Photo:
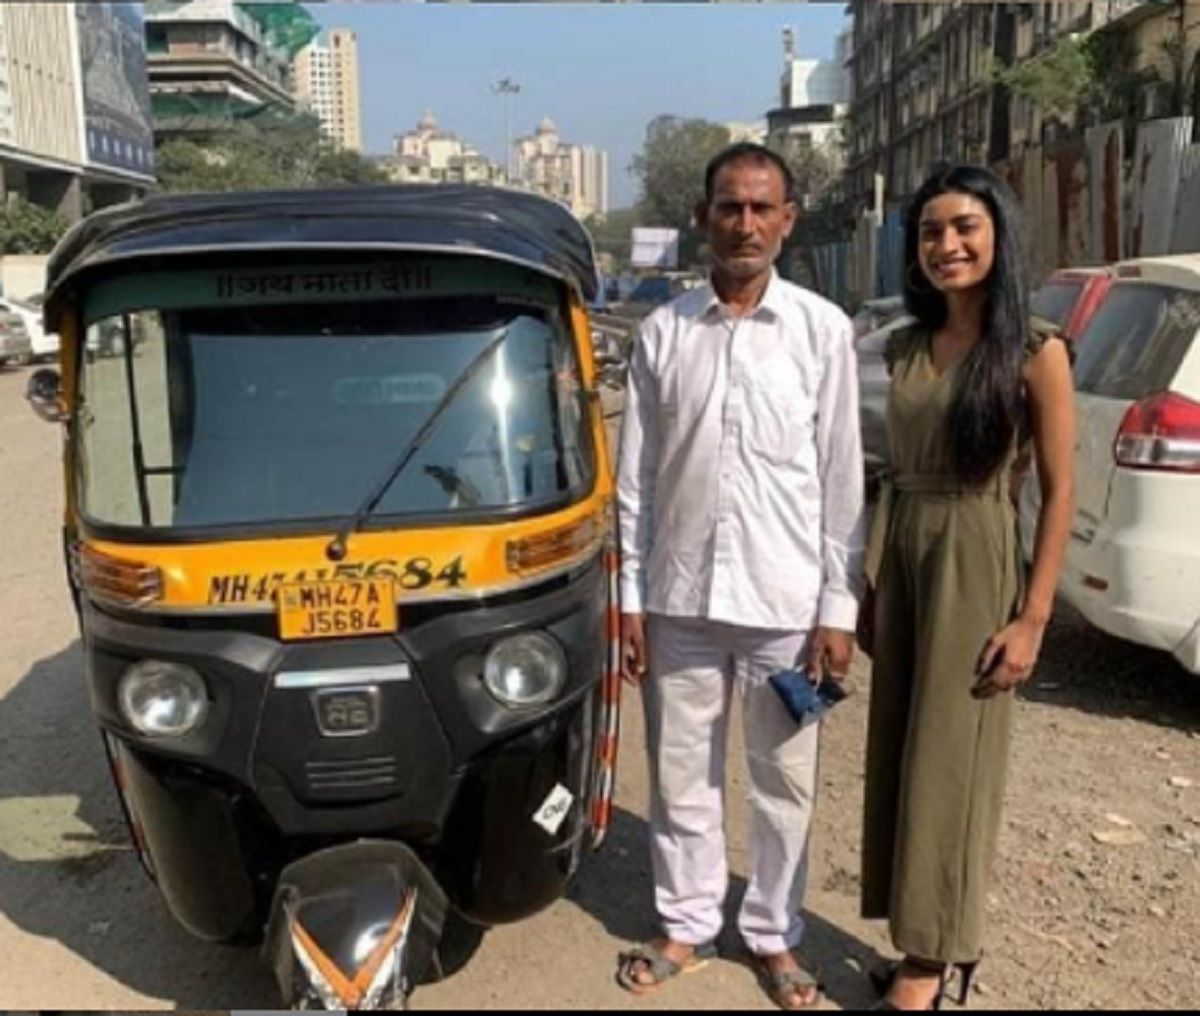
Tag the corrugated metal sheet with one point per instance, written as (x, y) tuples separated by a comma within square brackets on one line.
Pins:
[(890, 275), (1106, 206), (1154, 186), (1071, 180), (831, 262), (1045, 237), (864, 253), (1186, 236)]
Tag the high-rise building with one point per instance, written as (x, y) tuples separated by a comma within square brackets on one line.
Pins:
[(575, 175), (326, 78), (814, 96), (212, 61), (925, 88), (74, 105), (429, 154)]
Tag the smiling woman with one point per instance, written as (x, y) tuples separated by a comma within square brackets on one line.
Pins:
[(955, 628)]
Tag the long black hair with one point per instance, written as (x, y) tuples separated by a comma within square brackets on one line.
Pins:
[(987, 405)]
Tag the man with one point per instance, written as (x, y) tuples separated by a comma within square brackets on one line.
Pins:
[(740, 491)]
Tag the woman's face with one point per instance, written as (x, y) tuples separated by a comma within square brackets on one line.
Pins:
[(957, 242)]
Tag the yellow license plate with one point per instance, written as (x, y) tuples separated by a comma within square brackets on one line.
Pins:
[(339, 609)]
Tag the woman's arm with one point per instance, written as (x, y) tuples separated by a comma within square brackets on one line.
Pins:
[(1052, 407)]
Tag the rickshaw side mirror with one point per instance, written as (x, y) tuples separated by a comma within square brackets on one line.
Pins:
[(44, 392)]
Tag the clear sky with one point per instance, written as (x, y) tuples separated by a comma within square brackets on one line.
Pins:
[(600, 71)]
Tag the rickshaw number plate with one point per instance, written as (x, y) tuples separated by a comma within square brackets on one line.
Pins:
[(337, 609)]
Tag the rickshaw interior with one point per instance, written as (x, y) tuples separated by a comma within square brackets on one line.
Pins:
[(287, 413)]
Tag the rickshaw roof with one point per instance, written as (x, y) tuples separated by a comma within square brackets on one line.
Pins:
[(422, 218)]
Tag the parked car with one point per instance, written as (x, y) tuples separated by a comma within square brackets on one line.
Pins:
[(1133, 562), (873, 385), (876, 312), (1069, 298), (15, 345), (44, 345)]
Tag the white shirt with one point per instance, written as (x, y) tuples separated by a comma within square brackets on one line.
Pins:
[(741, 473)]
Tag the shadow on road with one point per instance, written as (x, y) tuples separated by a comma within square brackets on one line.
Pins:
[(1086, 669), (616, 889), (67, 871)]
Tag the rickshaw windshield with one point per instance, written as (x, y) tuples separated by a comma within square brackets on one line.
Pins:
[(260, 415)]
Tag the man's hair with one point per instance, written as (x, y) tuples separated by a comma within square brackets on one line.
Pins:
[(748, 151)]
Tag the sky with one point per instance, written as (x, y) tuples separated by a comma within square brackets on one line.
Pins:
[(601, 72)]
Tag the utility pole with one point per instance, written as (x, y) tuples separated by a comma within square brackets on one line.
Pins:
[(506, 88)]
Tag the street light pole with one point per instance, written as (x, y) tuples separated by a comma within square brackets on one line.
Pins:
[(507, 88)]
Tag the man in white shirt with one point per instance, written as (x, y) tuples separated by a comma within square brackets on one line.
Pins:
[(740, 492)]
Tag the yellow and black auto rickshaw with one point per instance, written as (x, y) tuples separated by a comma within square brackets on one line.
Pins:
[(339, 534)]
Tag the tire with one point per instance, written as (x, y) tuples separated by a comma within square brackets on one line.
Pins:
[(460, 941)]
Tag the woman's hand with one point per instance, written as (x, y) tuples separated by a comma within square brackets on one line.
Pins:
[(1009, 657)]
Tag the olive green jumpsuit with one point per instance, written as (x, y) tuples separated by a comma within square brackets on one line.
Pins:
[(944, 564)]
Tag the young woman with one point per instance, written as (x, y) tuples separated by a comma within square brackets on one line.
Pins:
[(955, 626)]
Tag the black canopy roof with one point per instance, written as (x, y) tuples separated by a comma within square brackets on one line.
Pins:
[(511, 225)]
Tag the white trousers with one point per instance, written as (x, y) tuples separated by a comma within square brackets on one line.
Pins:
[(694, 666)]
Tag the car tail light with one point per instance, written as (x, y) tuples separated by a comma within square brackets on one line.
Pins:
[(1161, 433)]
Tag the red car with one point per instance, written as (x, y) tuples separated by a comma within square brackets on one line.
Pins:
[(1070, 296)]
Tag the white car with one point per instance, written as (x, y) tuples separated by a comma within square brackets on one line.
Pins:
[(44, 344), (1133, 562), (874, 384)]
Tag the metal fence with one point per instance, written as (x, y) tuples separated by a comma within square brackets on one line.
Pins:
[(1086, 202)]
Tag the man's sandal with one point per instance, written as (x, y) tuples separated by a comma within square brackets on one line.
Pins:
[(649, 959), (791, 990)]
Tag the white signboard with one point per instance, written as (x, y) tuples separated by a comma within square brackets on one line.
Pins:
[(655, 248)]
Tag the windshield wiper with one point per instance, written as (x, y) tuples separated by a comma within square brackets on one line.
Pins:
[(336, 551)]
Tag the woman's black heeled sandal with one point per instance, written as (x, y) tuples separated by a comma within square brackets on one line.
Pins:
[(884, 978)]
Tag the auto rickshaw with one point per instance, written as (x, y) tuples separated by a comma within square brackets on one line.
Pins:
[(339, 533)]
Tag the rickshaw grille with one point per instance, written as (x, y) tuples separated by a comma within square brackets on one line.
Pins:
[(380, 773)]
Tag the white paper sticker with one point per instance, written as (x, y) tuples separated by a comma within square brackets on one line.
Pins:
[(554, 810)]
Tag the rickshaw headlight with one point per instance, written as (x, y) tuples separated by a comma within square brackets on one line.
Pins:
[(525, 670), (161, 699)]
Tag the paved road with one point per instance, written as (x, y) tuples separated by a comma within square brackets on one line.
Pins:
[(1074, 921)]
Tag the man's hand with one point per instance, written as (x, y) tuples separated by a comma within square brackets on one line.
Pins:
[(830, 653), (633, 648)]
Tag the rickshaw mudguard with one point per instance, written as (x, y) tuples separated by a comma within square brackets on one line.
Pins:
[(516, 835), (191, 830), (354, 927)]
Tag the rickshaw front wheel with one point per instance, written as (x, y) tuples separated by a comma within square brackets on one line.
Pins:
[(460, 941)]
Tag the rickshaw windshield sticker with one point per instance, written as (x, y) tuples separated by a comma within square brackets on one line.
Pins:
[(411, 575), (457, 276)]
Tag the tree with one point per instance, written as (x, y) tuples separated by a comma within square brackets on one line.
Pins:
[(814, 168), (613, 235), (671, 168), (26, 228), (261, 156), (345, 168), (1091, 78), (1059, 80)]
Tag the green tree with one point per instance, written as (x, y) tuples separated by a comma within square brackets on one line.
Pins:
[(613, 235), (1092, 78), (346, 168), (671, 169), (814, 168), (254, 155), (1059, 80), (26, 228)]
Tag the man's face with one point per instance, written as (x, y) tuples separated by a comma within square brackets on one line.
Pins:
[(747, 220)]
